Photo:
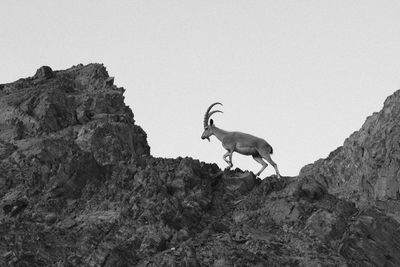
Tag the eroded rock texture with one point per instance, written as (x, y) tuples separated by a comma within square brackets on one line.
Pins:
[(78, 187), (367, 166)]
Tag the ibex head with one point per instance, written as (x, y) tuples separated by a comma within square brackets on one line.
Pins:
[(208, 127)]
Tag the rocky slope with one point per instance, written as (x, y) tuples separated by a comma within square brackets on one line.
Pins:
[(366, 168), (80, 188)]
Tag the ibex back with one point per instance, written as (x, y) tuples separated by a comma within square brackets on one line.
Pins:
[(242, 143)]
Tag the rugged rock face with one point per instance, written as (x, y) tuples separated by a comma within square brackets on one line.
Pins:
[(80, 188), (367, 166)]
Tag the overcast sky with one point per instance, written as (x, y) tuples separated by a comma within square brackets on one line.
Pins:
[(301, 74)]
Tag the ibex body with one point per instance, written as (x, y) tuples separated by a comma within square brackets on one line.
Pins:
[(242, 143)]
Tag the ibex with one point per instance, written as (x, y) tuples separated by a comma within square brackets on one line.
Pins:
[(242, 143)]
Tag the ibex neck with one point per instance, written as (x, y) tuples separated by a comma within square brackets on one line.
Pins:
[(219, 133)]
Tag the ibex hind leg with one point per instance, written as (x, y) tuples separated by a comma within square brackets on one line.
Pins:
[(259, 159), (267, 157)]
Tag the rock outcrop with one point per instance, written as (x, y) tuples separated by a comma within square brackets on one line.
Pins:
[(80, 188), (367, 166)]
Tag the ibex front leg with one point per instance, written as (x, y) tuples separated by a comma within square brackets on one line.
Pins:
[(230, 159)]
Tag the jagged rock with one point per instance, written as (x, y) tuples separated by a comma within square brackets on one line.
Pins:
[(109, 81), (310, 189), (242, 183), (44, 72), (325, 225), (6, 149), (367, 166), (78, 187), (13, 203), (111, 142), (282, 211), (50, 218), (372, 239)]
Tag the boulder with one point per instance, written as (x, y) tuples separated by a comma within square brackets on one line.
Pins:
[(44, 72)]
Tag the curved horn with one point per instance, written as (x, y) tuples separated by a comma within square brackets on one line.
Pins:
[(207, 115), (212, 112)]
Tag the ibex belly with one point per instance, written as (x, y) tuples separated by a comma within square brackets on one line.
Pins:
[(246, 150)]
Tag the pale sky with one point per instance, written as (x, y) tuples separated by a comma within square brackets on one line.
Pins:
[(303, 75)]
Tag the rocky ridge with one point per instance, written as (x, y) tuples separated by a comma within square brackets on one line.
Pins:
[(366, 168), (80, 188)]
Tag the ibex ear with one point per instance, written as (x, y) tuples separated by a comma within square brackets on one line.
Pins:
[(211, 122)]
